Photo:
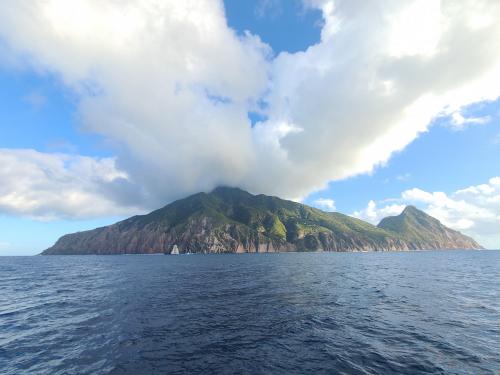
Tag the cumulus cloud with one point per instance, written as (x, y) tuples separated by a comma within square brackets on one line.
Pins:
[(167, 81), (474, 210), (171, 86), (48, 186), (325, 204), (381, 73)]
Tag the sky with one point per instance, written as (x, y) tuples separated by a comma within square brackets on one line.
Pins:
[(114, 108)]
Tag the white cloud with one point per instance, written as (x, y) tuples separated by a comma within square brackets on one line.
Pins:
[(403, 177), (374, 214), (325, 204), (170, 84), (49, 186), (474, 210), (357, 100), (459, 122), (167, 81)]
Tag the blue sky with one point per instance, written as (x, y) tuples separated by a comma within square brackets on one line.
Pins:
[(442, 159), (38, 112), (44, 108), (284, 25)]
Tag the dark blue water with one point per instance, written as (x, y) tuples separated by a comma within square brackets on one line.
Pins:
[(335, 313)]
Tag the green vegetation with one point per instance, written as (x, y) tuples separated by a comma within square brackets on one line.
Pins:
[(414, 225), (232, 220), (272, 217)]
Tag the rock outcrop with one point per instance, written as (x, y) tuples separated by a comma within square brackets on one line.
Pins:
[(230, 220)]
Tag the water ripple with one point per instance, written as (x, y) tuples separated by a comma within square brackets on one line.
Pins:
[(371, 313)]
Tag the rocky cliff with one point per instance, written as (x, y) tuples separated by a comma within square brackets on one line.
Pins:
[(234, 221)]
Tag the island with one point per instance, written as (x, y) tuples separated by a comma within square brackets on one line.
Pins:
[(231, 220)]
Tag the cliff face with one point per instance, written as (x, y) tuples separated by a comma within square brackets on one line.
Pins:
[(234, 221)]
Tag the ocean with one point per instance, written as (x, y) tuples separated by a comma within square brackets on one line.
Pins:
[(435, 312)]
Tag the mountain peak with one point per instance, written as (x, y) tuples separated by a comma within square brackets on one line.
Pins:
[(410, 209), (230, 194), (229, 219), (419, 227)]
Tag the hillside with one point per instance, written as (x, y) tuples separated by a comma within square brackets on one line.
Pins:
[(234, 221), (423, 231)]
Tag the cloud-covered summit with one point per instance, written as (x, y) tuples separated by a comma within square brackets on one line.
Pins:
[(170, 85)]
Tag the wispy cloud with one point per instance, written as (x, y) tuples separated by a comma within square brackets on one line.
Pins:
[(459, 122), (403, 177), (268, 8), (36, 99)]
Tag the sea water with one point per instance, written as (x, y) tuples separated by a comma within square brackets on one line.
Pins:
[(296, 313)]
